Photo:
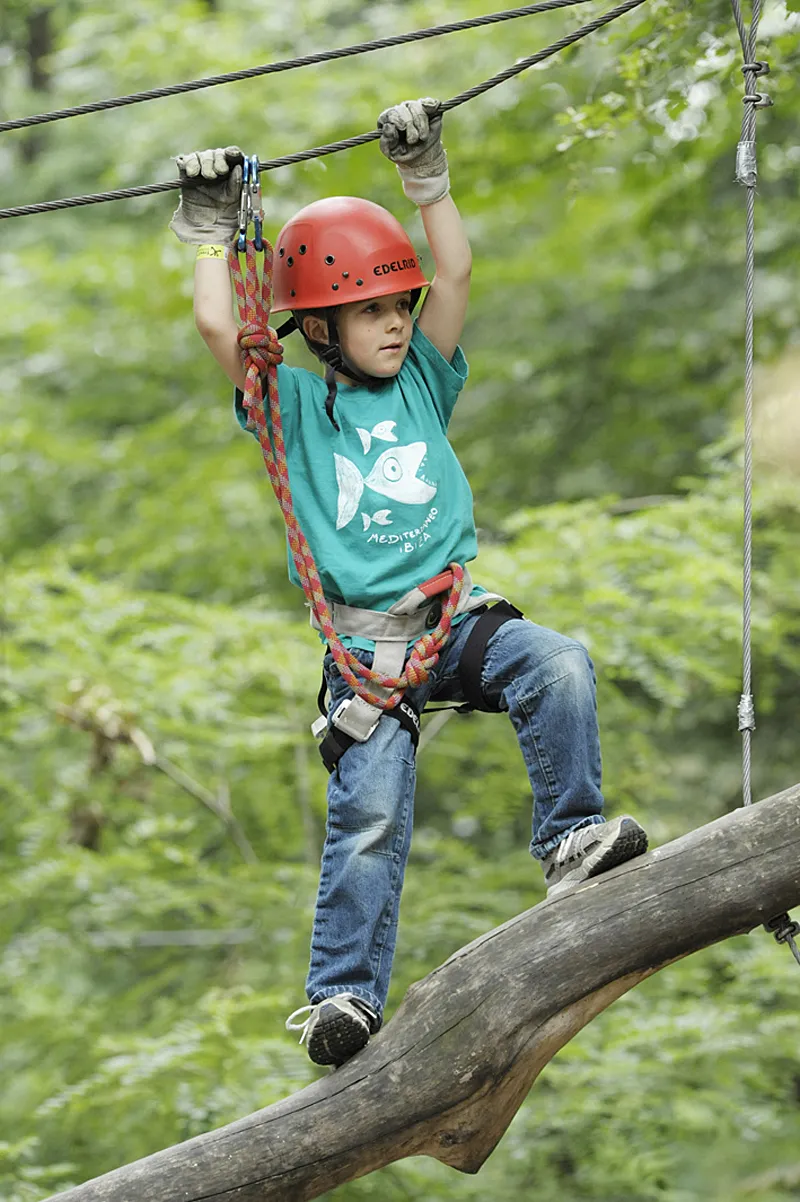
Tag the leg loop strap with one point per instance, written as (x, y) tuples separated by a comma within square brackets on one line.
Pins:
[(470, 665), (337, 742)]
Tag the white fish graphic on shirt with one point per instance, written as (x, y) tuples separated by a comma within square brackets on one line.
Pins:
[(381, 517), (394, 475), (384, 431)]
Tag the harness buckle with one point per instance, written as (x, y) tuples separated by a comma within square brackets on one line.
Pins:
[(319, 726), (434, 615), (355, 729)]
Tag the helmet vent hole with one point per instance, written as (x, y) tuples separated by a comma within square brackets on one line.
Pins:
[(293, 293), (329, 259), (359, 283), (281, 252), (303, 249), (345, 275), (335, 287), (290, 261)]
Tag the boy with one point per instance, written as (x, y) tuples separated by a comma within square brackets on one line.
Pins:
[(386, 507)]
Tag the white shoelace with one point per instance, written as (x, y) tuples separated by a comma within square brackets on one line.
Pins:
[(340, 1000), (570, 847)]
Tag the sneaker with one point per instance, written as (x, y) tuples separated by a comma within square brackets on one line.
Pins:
[(336, 1028), (591, 850)]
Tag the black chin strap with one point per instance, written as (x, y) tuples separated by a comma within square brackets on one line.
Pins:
[(288, 327), (333, 358), (330, 380)]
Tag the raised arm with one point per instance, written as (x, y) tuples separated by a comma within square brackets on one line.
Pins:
[(411, 138), (213, 316), (207, 217), (445, 307)]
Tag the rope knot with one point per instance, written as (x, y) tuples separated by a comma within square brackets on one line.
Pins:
[(260, 347)]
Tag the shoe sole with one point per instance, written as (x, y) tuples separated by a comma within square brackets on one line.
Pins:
[(336, 1038), (623, 840)]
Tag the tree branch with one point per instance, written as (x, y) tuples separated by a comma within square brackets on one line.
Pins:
[(109, 727), (445, 1077)]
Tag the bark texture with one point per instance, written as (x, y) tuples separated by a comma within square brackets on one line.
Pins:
[(445, 1077)]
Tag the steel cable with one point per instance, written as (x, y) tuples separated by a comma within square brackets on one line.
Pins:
[(781, 926), (49, 206), (747, 175), (307, 60)]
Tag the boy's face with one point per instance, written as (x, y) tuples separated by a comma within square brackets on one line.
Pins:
[(375, 333)]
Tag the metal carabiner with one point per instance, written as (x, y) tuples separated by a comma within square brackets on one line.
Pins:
[(245, 206), (256, 203)]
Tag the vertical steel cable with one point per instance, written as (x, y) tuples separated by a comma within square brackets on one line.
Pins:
[(747, 175), (781, 926)]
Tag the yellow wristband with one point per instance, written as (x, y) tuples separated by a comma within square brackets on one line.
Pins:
[(212, 252)]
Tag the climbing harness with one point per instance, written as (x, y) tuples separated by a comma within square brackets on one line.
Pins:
[(50, 206), (470, 667), (355, 719), (782, 926)]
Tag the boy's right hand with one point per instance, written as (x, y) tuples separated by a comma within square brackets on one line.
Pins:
[(208, 211)]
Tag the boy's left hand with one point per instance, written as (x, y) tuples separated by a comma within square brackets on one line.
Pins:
[(411, 138)]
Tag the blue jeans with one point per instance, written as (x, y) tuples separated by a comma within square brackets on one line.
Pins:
[(546, 684)]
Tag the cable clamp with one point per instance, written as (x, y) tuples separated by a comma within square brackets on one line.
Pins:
[(746, 712), (782, 927), (784, 930), (759, 67), (759, 100)]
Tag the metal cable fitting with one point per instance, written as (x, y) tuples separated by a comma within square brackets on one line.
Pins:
[(746, 712), (784, 929), (757, 68), (759, 100)]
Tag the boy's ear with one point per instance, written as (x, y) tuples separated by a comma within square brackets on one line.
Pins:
[(315, 328)]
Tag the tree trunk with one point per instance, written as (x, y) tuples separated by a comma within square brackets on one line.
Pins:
[(445, 1077), (39, 46)]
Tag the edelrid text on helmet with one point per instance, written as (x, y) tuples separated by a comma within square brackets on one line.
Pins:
[(397, 265)]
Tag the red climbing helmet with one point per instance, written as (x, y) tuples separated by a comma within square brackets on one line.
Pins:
[(342, 249)]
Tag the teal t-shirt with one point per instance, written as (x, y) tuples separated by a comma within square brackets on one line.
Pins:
[(383, 501)]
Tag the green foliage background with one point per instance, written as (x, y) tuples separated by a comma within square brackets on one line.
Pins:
[(163, 806)]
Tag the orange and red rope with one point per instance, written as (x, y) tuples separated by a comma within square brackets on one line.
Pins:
[(261, 354)]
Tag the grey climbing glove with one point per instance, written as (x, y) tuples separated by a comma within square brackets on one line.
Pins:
[(411, 138), (208, 212)]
